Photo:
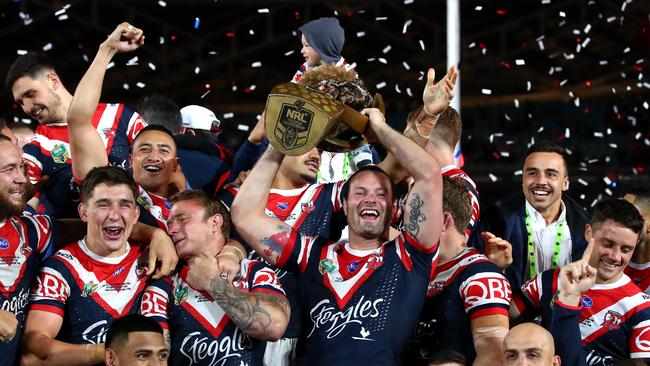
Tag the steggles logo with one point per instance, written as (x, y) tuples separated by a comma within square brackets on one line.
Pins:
[(333, 322)]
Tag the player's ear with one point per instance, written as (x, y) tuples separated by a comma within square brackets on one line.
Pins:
[(588, 232), (83, 211), (110, 357)]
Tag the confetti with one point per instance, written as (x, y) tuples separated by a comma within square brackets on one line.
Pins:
[(386, 49), (380, 85), (61, 17), (422, 45), (162, 3), (406, 66), (241, 127), (263, 11), (379, 19), (289, 52), (125, 86), (493, 177), (382, 60), (563, 14), (518, 172), (406, 25), (132, 62), (486, 91), (478, 8), (228, 115), (197, 22), (406, 2), (140, 84), (152, 66), (59, 12), (583, 182), (47, 47), (110, 65), (205, 94), (197, 70), (520, 62), (361, 34), (256, 64), (409, 92)]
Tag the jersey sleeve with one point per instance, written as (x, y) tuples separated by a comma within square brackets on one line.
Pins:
[(52, 288), (566, 332), (264, 279), (44, 228), (640, 338), (528, 299), (295, 255), (32, 158), (155, 301), (485, 292), (415, 255), (134, 125)]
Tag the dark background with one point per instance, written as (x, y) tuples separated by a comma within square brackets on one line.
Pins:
[(587, 87)]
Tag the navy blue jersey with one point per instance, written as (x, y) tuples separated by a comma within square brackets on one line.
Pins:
[(201, 331), (464, 288), (314, 210), (89, 291), (358, 307), (48, 153), (23, 241), (614, 321), (154, 209)]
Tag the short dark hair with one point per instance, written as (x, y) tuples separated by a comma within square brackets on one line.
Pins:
[(31, 64), (448, 128), (160, 128), (446, 356), (121, 327), (618, 210), (211, 205), (456, 201), (159, 110), (548, 147), (345, 190), (109, 175)]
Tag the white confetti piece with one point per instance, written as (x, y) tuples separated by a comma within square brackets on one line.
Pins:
[(576, 102), (241, 127), (161, 40), (540, 43), (422, 45), (289, 52), (63, 17), (613, 146), (263, 11), (582, 196), (228, 115), (608, 191), (110, 65), (379, 19), (140, 84), (569, 56), (478, 8), (540, 129), (576, 32), (638, 135), (47, 47), (505, 154), (380, 85), (520, 62), (563, 14), (583, 182), (586, 42), (85, 57), (132, 62), (205, 94), (516, 102), (472, 45), (645, 105), (125, 86), (406, 66), (609, 131), (252, 87), (493, 177), (626, 50), (587, 28), (59, 12), (406, 25), (529, 85), (406, 2), (197, 70), (409, 92), (361, 34), (546, 2), (234, 88), (607, 180), (152, 66), (256, 64), (162, 3), (518, 172), (598, 134), (382, 60), (486, 91), (386, 49), (397, 89)]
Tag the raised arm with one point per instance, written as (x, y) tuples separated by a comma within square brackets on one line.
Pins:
[(263, 315), (86, 145), (423, 209), (266, 235)]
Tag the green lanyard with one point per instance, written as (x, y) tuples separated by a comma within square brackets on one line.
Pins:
[(531, 245)]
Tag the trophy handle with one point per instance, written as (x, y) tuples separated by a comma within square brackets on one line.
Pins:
[(355, 120)]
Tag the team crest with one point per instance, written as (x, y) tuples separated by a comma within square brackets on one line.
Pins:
[(326, 266), (613, 320), (89, 289), (108, 133), (60, 154), (375, 261), (293, 124), (4, 243), (307, 207), (435, 288), (180, 294), (141, 270), (144, 202), (26, 250)]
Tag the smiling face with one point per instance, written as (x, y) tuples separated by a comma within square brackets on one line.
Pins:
[(12, 180), (312, 57), (192, 233), (110, 212), (528, 344), (613, 249), (154, 160), (368, 205), (38, 98), (545, 178)]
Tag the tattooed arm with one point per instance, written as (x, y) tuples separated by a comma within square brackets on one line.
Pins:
[(263, 315), (268, 236), (423, 210)]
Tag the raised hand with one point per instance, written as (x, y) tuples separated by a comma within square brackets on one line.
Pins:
[(125, 38), (577, 278), (437, 96), (497, 250)]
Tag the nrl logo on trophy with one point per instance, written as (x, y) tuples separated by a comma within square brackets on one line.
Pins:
[(293, 124)]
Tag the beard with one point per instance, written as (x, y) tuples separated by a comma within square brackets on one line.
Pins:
[(9, 208)]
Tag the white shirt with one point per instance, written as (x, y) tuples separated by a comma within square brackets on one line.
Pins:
[(544, 239)]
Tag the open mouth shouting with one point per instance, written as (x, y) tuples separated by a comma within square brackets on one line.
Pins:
[(113, 232), (153, 168), (369, 214), (540, 193)]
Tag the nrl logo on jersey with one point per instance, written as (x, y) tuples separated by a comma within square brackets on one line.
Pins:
[(60, 154), (144, 202), (180, 294), (89, 289)]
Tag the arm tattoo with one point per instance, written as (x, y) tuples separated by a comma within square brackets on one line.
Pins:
[(247, 310), (415, 215), (275, 243)]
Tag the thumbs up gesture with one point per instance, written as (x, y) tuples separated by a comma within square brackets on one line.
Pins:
[(577, 278)]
